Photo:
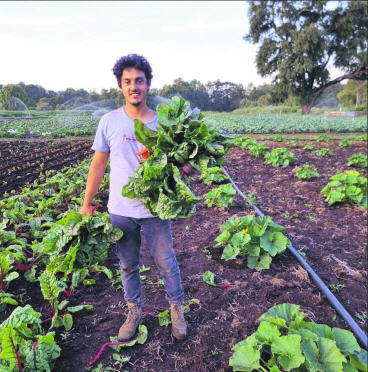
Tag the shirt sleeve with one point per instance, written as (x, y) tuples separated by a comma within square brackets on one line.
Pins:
[(100, 142)]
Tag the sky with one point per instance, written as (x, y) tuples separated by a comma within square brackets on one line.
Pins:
[(75, 44)]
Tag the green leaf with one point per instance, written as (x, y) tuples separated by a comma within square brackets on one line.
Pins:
[(347, 367), (74, 309), (288, 350), (345, 340), (329, 355), (67, 322), (230, 252), (164, 318), (13, 275), (209, 278), (267, 332), (273, 242), (246, 356), (30, 275), (259, 263), (88, 282), (286, 312), (359, 360), (49, 287)]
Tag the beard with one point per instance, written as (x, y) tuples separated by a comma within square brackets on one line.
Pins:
[(136, 104)]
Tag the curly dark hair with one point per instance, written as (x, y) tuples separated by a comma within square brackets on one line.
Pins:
[(132, 60)]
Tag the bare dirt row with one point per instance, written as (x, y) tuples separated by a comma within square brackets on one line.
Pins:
[(22, 161)]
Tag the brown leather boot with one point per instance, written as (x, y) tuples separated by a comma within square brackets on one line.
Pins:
[(128, 329), (178, 323)]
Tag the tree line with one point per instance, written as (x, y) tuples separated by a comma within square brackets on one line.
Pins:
[(213, 96)]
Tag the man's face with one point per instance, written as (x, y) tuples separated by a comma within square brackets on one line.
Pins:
[(134, 86)]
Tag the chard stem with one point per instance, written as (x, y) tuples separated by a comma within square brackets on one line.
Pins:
[(17, 355)]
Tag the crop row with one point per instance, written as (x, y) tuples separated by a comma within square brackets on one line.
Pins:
[(77, 124), (58, 126), (26, 160), (231, 123)]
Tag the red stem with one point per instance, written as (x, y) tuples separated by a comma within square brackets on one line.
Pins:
[(151, 314), (17, 355), (34, 353), (2, 282), (226, 285), (46, 320), (103, 347), (69, 294)]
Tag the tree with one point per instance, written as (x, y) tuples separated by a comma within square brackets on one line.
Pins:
[(301, 39), (194, 92), (225, 96), (14, 97), (354, 93)]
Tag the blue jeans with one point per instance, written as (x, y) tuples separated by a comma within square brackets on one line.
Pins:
[(159, 240)]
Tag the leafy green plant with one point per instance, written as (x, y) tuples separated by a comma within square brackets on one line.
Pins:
[(258, 150), (323, 151), (23, 344), (345, 143), (308, 146), (213, 175), (348, 187), (323, 138), (243, 142), (182, 137), (164, 318), (279, 138), (361, 138), (336, 287), (6, 276), (77, 242), (305, 172), (292, 143), (358, 160), (257, 238), (280, 157), (284, 341), (209, 278), (221, 196)]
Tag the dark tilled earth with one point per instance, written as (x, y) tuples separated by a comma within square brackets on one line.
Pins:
[(333, 239)]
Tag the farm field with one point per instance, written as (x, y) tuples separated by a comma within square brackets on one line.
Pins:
[(232, 123), (82, 123), (22, 161), (333, 240)]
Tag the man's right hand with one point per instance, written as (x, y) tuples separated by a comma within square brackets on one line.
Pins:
[(86, 210)]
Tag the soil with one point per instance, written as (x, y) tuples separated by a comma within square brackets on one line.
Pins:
[(24, 161), (333, 239)]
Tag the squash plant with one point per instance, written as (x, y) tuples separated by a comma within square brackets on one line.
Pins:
[(358, 160), (280, 157), (323, 151), (257, 238), (284, 341), (305, 172), (347, 187)]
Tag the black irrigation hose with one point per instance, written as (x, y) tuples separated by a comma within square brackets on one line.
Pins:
[(333, 300)]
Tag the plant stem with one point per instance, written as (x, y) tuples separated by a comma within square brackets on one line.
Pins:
[(17, 355), (2, 282)]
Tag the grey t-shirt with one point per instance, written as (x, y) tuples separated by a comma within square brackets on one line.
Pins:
[(115, 134)]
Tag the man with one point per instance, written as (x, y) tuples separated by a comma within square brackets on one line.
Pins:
[(115, 139)]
